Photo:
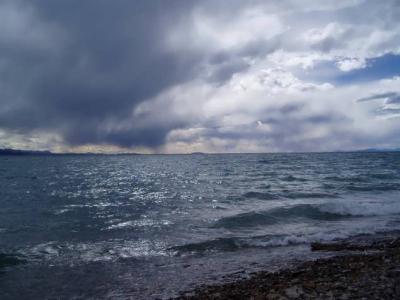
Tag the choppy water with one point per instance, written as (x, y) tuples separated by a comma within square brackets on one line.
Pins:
[(149, 226)]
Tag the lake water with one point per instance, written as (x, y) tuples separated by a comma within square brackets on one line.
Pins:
[(149, 226)]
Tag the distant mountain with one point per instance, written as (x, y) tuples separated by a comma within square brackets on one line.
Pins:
[(97, 153), (380, 150), (32, 152), (23, 152), (18, 152)]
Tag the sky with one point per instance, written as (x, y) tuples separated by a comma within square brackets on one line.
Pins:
[(184, 76)]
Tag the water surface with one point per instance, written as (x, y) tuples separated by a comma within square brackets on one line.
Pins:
[(147, 226)]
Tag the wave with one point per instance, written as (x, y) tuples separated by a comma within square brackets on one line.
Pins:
[(139, 223), (305, 195), (8, 260), (293, 178), (346, 178), (362, 177), (362, 208), (374, 187), (295, 195), (219, 244), (330, 211), (249, 219), (231, 244), (260, 195), (265, 161), (276, 215), (112, 250), (382, 175)]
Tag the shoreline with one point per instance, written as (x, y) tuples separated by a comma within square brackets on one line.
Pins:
[(363, 268)]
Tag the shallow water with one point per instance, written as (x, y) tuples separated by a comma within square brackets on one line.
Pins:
[(149, 226)]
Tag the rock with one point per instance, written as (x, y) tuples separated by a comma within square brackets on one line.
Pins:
[(369, 275), (294, 291)]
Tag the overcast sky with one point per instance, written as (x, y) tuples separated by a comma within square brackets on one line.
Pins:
[(182, 76)]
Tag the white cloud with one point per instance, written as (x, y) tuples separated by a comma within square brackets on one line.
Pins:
[(349, 64), (211, 33), (255, 85), (273, 115)]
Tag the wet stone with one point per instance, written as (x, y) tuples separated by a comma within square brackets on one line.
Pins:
[(362, 275)]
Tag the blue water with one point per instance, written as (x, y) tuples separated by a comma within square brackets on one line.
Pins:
[(148, 226)]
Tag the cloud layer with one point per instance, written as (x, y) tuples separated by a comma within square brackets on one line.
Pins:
[(184, 76)]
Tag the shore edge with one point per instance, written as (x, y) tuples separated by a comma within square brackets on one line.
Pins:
[(363, 269)]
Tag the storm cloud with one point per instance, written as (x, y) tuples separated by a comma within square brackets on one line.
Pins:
[(183, 76), (80, 68)]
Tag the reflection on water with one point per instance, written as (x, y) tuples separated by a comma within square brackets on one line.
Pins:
[(146, 226)]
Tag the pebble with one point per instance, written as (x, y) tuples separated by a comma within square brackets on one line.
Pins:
[(359, 274)]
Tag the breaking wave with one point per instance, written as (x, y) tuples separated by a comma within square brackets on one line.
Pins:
[(330, 211)]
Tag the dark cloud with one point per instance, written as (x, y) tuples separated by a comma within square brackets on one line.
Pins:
[(127, 73), (87, 65), (225, 69), (98, 61)]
